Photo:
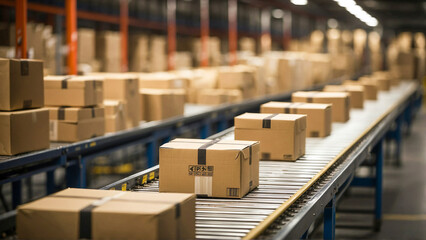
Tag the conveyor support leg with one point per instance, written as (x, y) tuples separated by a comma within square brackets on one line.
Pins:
[(205, 131), (50, 182), (398, 140), (152, 153), (378, 149), (76, 174), (305, 235), (330, 220), (16, 193)]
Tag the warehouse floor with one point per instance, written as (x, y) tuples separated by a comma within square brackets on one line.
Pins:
[(404, 196)]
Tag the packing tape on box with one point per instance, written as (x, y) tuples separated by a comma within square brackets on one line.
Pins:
[(266, 122), (64, 82), (25, 68), (61, 113), (203, 185), (93, 112), (202, 151), (85, 225)]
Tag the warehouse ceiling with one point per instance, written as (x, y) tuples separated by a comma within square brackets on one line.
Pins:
[(407, 15)]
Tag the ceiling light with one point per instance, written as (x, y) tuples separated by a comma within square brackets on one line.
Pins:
[(358, 12), (277, 13), (299, 2), (332, 23)]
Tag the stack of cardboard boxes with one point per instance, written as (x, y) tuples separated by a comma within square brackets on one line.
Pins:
[(219, 96), (101, 214), (86, 50), (108, 52), (75, 106), (162, 95), (238, 77), (122, 100), (24, 123)]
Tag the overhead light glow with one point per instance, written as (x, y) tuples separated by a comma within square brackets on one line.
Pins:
[(358, 12), (332, 23), (299, 2), (277, 13)]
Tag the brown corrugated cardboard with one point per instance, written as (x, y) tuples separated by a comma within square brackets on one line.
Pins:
[(21, 84), (159, 104), (356, 93), (238, 77), (370, 88), (24, 131), (115, 116), (76, 124), (219, 96), (214, 168), (86, 45), (162, 80), (74, 114), (382, 84), (102, 214), (124, 87), (318, 116), (182, 202), (340, 102), (74, 91), (281, 136)]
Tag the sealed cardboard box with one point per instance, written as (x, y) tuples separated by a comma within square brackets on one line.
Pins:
[(238, 78), (24, 131), (371, 89), (162, 80), (356, 93), (281, 136), (159, 104), (70, 124), (318, 116), (213, 168), (86, 45), (219, 96), (21, 84), (115, 116), (73, 91), (382, 84), (340, 102), (102, 214), (125, 88)]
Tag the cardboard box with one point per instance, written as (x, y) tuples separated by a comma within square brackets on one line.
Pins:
[(213, 168), (281, 136), (340, 102), (162, 80), (21, 84), (382, 84), (356, 93), (318, 116), (387, 74), (73, 91), (70, 124), (240, 78), (24, 131), (370, 92), (125, 88), (115, 116), (86, 45), (219, 96), (104, 214), (159, 104)]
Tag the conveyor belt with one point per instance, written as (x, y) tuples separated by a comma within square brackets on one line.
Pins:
[(282, 183)]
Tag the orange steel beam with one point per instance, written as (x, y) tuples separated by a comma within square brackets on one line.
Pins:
[(204, 9), (71, 34), (232, 28), (171, 34), (124, 32), (21, 28)]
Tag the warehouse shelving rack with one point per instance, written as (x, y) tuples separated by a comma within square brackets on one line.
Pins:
[(119, 15)]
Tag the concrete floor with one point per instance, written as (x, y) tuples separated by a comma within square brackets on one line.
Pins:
[(404, 196)]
